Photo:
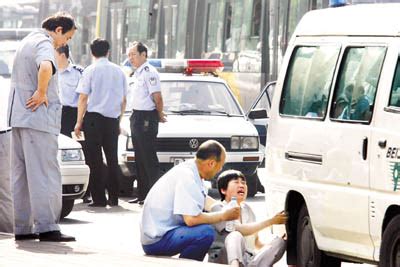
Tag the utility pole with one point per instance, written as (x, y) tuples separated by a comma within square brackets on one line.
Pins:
[(43, 10), (265, 49), (102, 18)]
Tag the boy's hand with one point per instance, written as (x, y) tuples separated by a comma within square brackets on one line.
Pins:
[(280, 218), (231, 214)]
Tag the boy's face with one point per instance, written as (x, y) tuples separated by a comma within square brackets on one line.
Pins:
[(236, 188)]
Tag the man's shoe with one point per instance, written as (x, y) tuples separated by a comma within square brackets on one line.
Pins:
[(136, 201), (86, 199), (96, 205), (112, 203), (26, 237), (55, 236)]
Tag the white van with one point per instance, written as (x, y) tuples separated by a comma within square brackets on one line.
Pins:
[(332, 152)]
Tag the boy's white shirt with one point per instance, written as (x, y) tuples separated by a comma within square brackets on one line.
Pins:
[(246, 216)]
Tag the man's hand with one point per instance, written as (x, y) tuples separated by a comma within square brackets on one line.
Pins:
[(231, 214), (36, 100), (162, 116), (77, 129), (280, 218)]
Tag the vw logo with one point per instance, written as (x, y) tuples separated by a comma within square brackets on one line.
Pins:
[(194, 143)]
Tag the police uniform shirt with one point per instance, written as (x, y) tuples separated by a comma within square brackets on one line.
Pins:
[(34, 49), (105, 83), (68, 80), (147, 83), (178, 192)]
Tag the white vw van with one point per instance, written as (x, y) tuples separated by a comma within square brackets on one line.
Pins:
[(332, 152)]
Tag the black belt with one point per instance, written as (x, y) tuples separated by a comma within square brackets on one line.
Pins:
[(144, 111), (5, 131)]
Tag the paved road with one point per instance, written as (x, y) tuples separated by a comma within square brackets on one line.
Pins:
[(116, 229)]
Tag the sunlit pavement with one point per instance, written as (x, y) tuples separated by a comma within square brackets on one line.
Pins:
[(106, 235)]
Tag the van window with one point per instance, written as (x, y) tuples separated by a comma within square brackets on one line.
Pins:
[(395, 92), (355, 90), (308, 81)]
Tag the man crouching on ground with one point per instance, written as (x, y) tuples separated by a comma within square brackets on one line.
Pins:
[(173, 221), (241, 246)]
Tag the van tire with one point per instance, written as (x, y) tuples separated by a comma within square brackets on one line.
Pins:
[(67, 206), (308, 254), (390, 247)]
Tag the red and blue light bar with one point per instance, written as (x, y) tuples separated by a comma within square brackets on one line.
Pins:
[(187, 66)]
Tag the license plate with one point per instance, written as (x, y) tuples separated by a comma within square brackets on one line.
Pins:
[(176, 161)]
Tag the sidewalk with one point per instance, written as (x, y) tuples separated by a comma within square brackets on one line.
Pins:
[(42, 254)]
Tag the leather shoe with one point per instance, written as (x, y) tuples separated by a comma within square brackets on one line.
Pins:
[(112, 203), (86, 199), (55, 236), (96, 205), (26, 237), (136, 201)]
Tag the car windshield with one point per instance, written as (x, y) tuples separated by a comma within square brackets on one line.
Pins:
[(196, 98)]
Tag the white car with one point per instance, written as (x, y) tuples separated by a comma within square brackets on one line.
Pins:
[(74, 172), (198, 108)]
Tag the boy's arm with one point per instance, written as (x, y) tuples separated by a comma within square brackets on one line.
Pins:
[(210, 202), (251, 228)]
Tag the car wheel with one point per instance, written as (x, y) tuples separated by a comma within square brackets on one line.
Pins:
[(252, 185), (260, 187), (67, 206), (390, 247), (308, 254)]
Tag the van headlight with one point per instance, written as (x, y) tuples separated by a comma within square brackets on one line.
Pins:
[(72, 155), (244, 142), (129, 144)]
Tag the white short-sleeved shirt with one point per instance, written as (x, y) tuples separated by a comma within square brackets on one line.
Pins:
[(246, 216), (106, 85), (178, 192), (147, 83), (68, 80)]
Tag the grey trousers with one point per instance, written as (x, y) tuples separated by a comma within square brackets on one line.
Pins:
[(266, 257), (6, 207), (36, 181)]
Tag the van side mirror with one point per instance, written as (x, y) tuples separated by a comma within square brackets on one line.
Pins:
[(258, 114)]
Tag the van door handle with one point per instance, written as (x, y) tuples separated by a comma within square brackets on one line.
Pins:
[(382, 143), (365, 148)]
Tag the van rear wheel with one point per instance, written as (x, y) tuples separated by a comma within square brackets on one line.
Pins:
[(390, 247), (308, 254)]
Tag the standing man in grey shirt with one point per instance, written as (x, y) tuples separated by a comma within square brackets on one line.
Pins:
[(147, 112), (103, 88), (34, 115)]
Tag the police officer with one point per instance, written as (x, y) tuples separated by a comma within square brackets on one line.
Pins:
[(68, 79), (102, 100), (147, 112), (34, 113)]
